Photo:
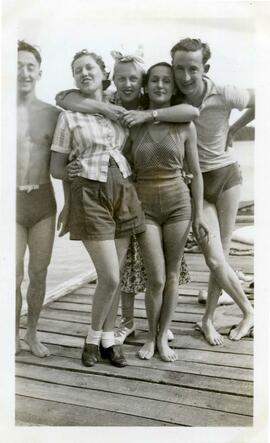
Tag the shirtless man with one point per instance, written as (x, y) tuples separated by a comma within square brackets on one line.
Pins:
[(36, 206)]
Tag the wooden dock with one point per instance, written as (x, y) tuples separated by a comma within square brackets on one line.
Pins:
[(207, 386)]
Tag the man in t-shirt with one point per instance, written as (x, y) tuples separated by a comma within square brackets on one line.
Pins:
[(36, 207), (221, 174)]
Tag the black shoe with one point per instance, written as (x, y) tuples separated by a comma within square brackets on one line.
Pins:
[(114, 354), (90, 354)]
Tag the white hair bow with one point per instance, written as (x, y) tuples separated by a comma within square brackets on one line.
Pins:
[(137, 57)]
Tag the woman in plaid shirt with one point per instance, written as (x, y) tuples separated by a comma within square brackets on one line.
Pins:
[(101, 202)]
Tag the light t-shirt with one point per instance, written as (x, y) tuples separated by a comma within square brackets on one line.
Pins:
[(213, 124)]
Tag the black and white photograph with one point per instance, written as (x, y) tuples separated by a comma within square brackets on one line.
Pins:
[(134, 168)]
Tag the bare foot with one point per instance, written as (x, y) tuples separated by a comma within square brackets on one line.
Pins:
[(166, 353), (17, 346), (243, 329), (36, 347), (210, 333), (147, 351)]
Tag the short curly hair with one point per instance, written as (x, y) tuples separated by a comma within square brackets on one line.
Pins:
[(192, 44), (24, 46), (99, 60)]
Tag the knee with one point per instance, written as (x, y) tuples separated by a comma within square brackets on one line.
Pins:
[(109, 281), (214, 262), (37, 276), (172, 278), (157, 283)]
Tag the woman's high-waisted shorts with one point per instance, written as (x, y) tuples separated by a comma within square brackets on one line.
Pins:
[(105, 211), (219, 180), (164, 201)]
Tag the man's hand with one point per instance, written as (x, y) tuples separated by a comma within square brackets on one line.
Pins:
[(114, 112), (200, 229), (229, 141), (133, 118), (63, 221)]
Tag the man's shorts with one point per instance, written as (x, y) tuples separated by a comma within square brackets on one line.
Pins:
[(165, 201), (105, 211), (36, 205), (219, 180)]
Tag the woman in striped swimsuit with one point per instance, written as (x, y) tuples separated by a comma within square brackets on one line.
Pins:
[(156, 154)]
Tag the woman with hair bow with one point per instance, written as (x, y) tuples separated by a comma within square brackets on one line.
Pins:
[(128, 104)]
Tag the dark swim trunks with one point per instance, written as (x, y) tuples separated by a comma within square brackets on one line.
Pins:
[(219, 180), (36, 205)]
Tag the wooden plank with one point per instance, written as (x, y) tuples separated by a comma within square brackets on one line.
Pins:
[(147, 371), (193, 340), (153, 409), (77, 317), (75, 307), (178, 366), (37, 412), (139, 299), (191, 397), (182, 307)]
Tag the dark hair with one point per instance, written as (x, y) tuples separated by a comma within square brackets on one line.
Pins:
[(23, 46), (147, 75), (99, 61), (192, 44)]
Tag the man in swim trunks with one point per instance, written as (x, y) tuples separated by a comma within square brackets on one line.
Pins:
[(221, 173), (36, 206)]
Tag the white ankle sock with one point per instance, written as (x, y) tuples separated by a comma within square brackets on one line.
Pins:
[(93, 337), (107, 339)]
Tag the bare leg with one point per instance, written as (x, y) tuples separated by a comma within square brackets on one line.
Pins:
[(227, 207), (174, 239), (224, 277), (152, 249), (105, 258), (21, 242), (40, 243), (206, 325), (127, 300), (121, 245)]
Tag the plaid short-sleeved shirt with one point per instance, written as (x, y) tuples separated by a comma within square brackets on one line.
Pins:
[(93, 139)]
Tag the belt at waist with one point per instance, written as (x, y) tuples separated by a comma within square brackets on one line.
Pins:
[(29, 188)]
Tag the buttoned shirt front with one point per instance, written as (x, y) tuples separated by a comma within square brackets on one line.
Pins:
[(213, 123), (92, 139)]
